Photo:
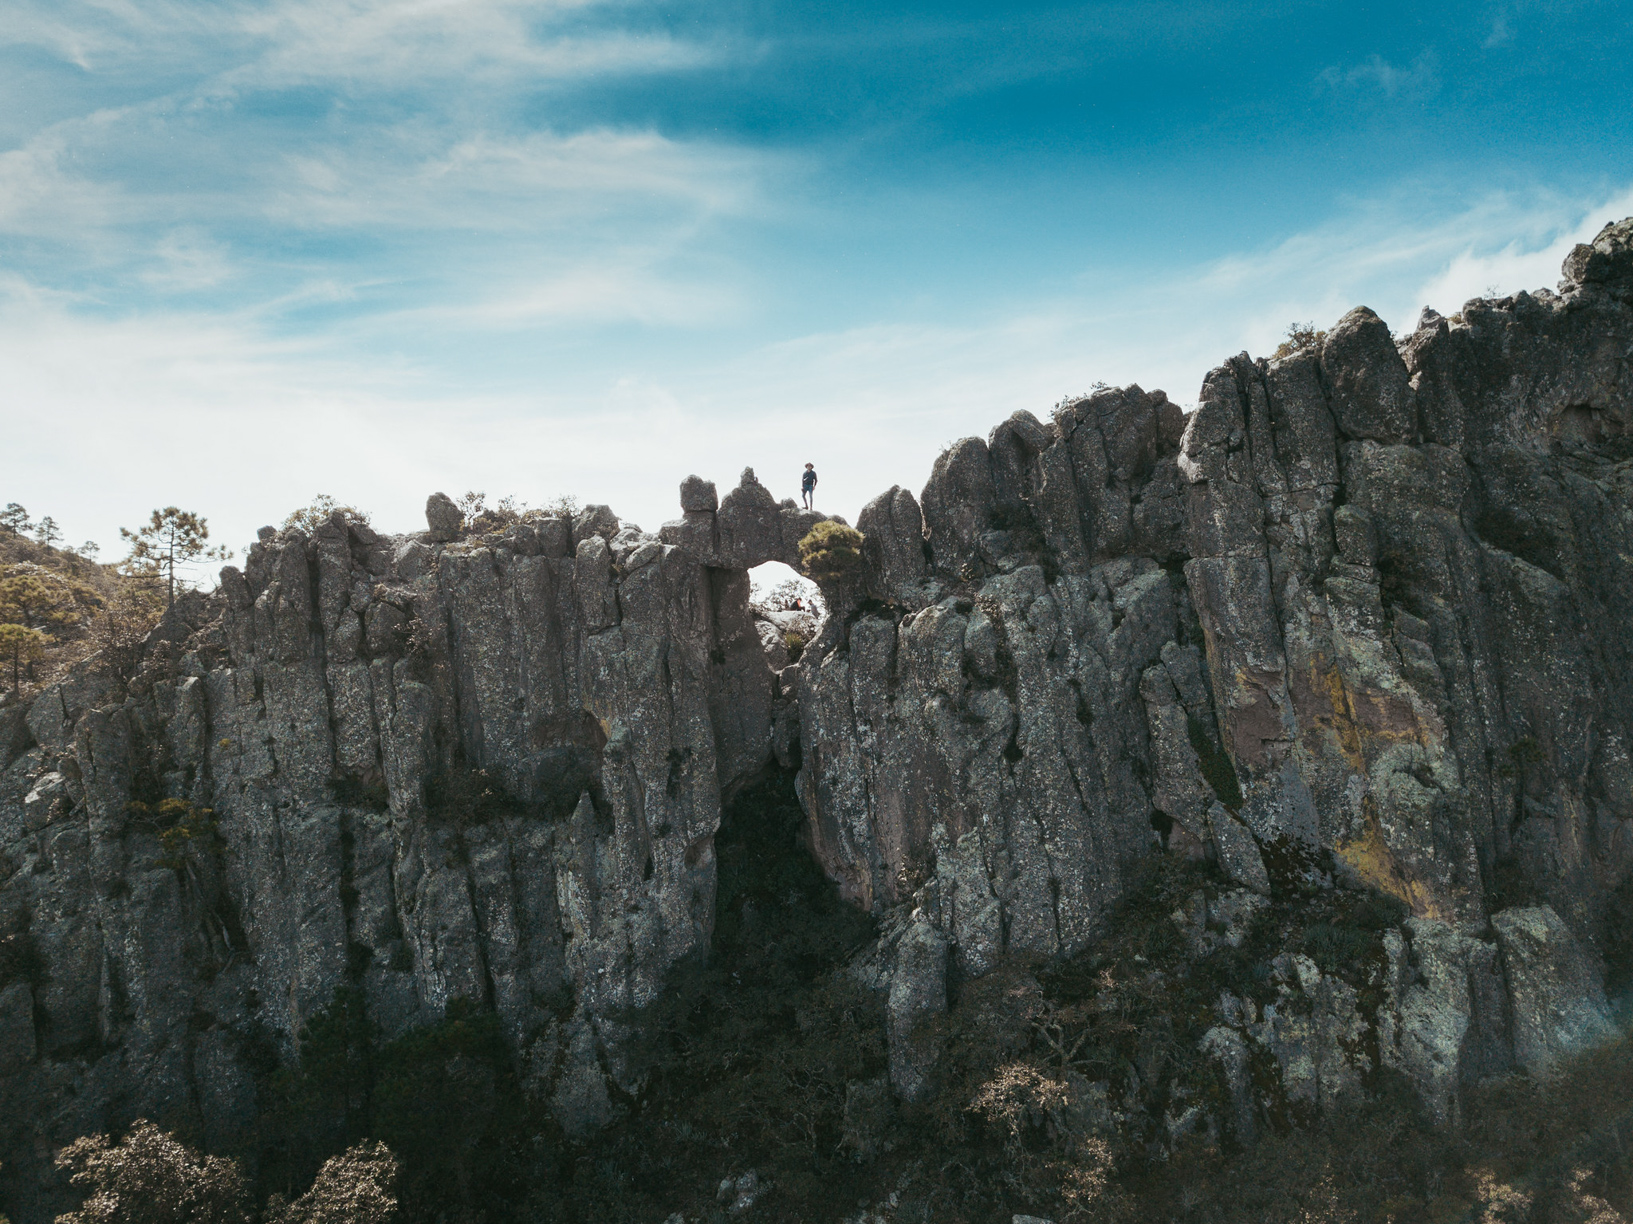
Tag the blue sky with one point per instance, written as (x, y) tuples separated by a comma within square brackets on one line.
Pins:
[(254, 251)]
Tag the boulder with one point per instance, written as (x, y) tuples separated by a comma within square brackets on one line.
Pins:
[(957, 504), (444, 521), (697, 496), (893, 546), (1371, 391)]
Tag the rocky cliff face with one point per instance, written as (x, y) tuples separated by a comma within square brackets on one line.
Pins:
[(1360, 621)]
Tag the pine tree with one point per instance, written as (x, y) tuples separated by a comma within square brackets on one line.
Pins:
[(37, 605), (171, 537), (22, 645), (15, 519)]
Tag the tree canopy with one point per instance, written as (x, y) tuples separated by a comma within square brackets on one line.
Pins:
[(14, 518), (39, 606), (151, 1177), (171, 537)]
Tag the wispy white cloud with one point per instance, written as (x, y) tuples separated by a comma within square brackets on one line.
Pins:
[(1395, 256), (186, 260), (268, 421), (1528, 261), (444, 209), (1418, 80), (237, 44), (423, 179), (42, 193)]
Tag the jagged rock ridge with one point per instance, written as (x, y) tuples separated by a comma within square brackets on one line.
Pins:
[(1360, 620)]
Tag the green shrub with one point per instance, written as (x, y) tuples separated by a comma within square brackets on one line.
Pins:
[(1300, 336), (181, 825), (831, 552)]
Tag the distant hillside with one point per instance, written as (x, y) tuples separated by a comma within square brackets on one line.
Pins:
[(73, 604)]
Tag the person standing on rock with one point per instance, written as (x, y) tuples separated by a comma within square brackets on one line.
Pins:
[(807, 484)]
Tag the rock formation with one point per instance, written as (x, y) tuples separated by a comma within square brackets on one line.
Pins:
[(1359, 621)]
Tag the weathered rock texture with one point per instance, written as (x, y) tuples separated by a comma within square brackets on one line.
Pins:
[(489, 769), (1362, 619)]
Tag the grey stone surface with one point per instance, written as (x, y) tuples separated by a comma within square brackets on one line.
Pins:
[(1221, 922), (1239, 856), (918, 990), (892, 528), (1447, 1025), (1556, 993), (1360, 619), (749, 527), (443, 519), (697, 496), (323, 707)]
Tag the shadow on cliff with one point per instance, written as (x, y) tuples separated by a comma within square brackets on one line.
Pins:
[(745, 1063), (766, 1066)]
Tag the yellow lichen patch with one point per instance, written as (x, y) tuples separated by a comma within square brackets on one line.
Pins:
[(1326, 680), (1362, 721), (1370, 857)]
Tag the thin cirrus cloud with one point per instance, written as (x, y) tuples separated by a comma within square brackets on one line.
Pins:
[(419, 178), (1418, 80), (288, 42), (888, 395)]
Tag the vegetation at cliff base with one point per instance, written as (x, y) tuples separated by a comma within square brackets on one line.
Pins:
[(766, 1067), (150, 1177)]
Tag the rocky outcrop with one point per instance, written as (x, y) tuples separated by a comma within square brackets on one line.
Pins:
[(437, 766), (1359, 621), (747, 528)]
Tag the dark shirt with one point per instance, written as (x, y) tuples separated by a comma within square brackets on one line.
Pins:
[(807, 482)]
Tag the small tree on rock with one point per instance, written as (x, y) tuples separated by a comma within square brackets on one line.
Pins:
[(40, 598), (37, 605), (46, 532), (831, 556), (1300, 336), (831, 553), (171, 537), (119, 629), (309, 518)]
